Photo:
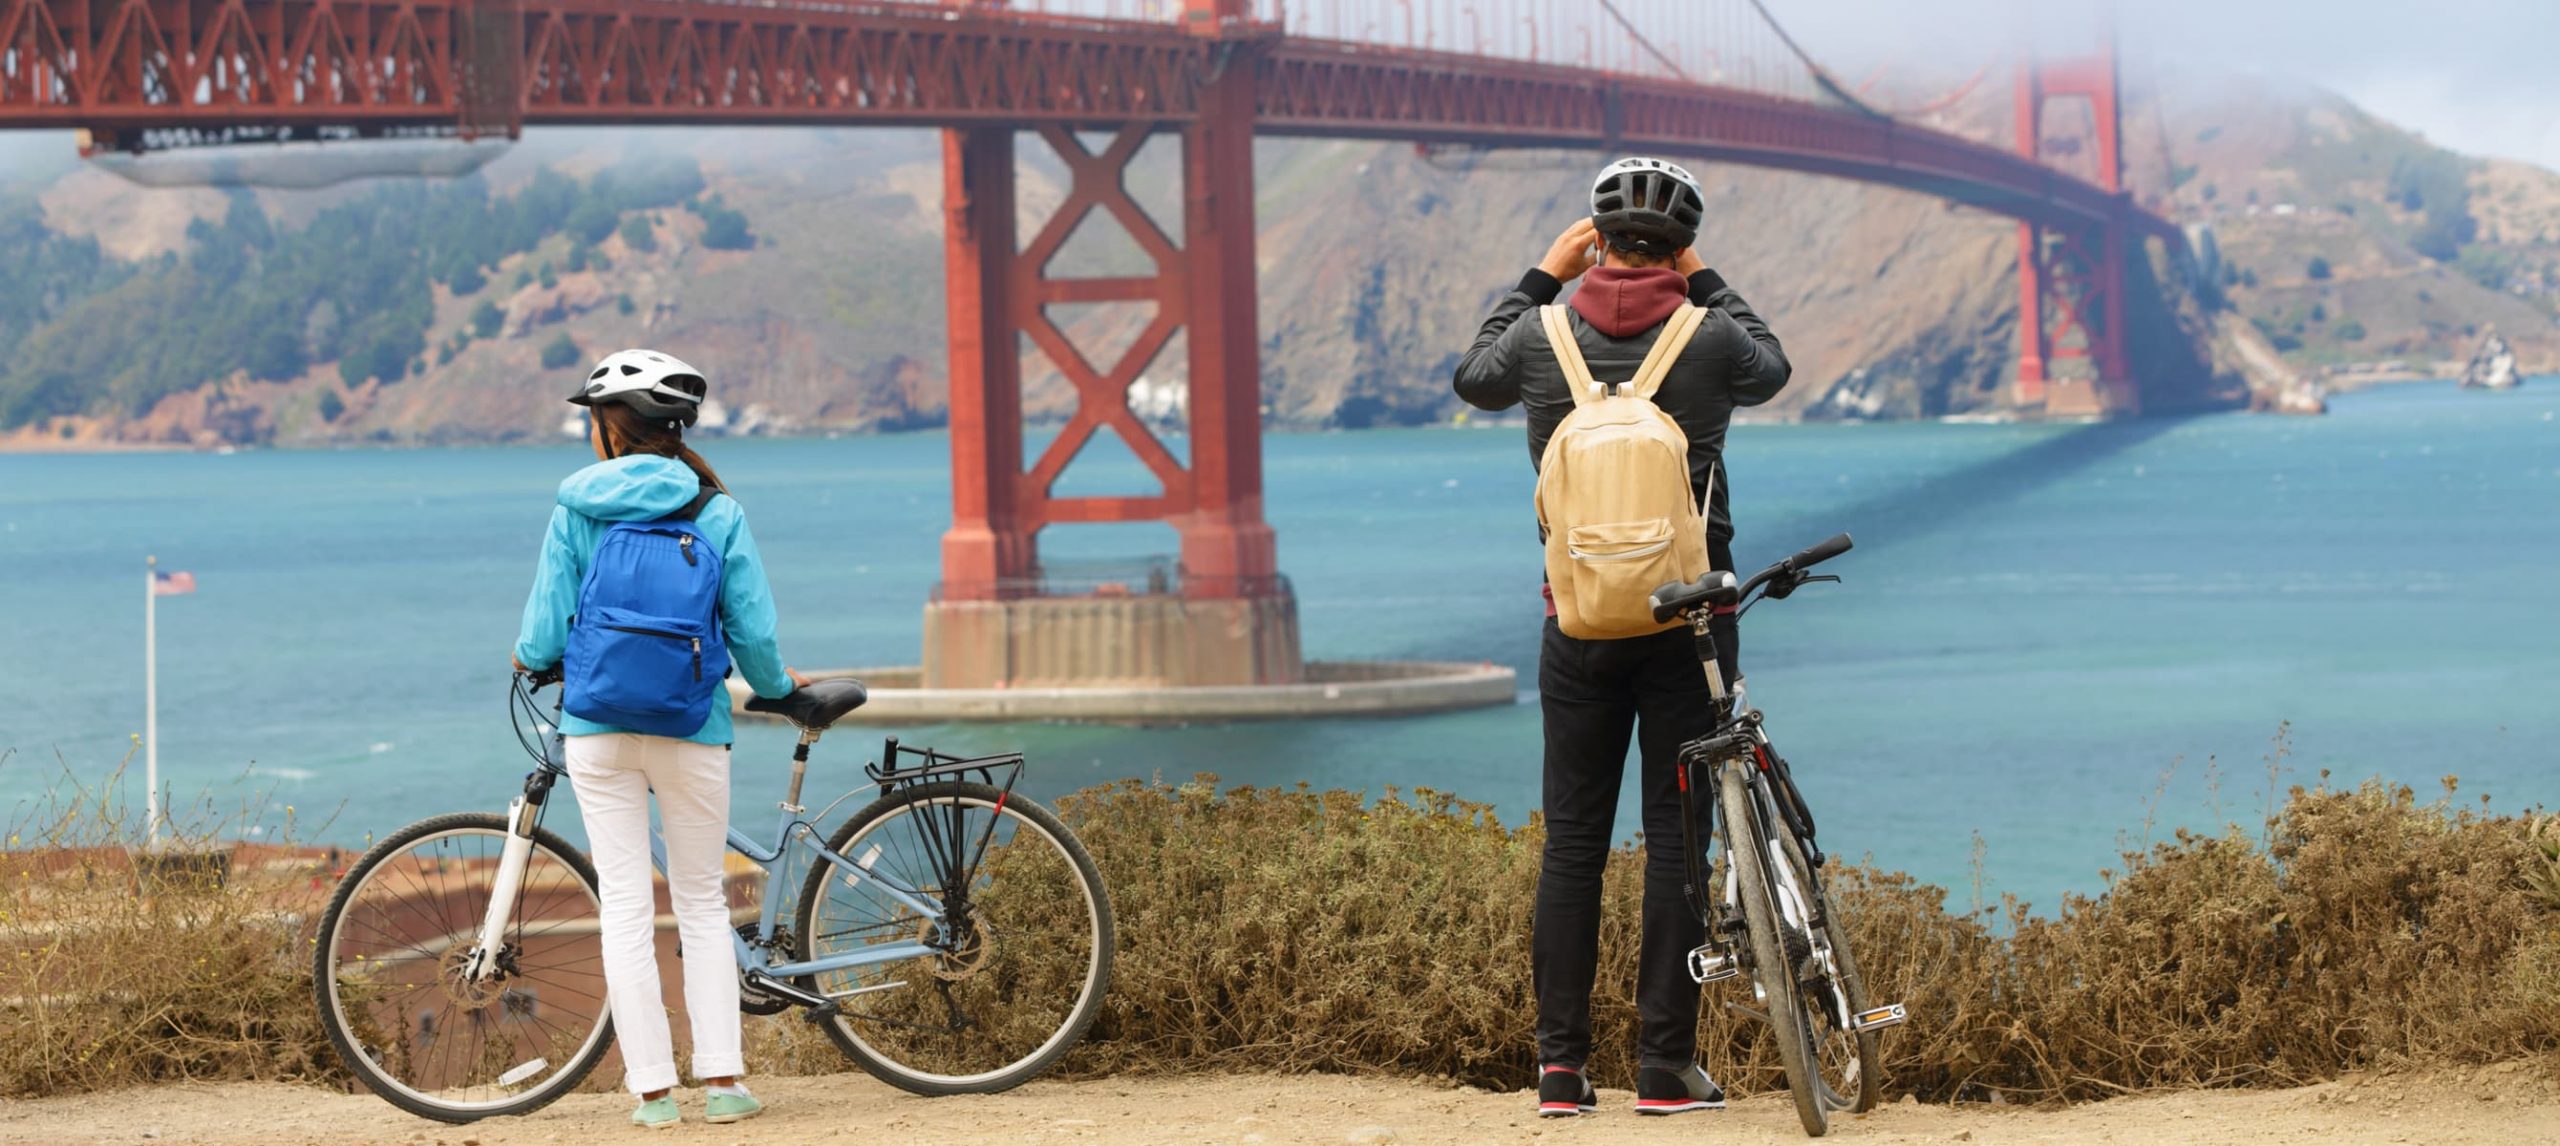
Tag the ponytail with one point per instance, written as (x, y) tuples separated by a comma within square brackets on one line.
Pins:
[(628, 431)]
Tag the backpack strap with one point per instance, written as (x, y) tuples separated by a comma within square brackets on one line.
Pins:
[(1577, 374), (692, 509), (1676, 333)]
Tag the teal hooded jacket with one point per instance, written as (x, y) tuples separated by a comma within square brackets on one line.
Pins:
[(646, 487)]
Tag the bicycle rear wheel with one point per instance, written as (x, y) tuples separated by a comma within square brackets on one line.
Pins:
[(386, 973), (1772, 969), (1845, 1061), (1022, 957)]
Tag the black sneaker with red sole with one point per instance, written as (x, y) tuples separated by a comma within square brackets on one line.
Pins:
[(1664, 1090), (1564, 1093)]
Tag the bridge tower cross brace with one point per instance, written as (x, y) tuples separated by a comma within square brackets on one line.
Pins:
[(994, 622), (2071, 280)]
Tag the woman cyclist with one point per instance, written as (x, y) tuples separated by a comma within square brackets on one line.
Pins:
[(638, 404)]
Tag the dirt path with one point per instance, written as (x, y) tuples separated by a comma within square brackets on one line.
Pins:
[(2517, 1103)]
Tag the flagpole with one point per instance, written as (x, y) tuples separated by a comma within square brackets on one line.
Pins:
[(151, 697)]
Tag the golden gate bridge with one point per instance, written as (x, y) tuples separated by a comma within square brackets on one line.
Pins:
[(1717, 80)]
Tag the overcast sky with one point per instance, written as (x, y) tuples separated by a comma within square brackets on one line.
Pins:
[(2480, 76)]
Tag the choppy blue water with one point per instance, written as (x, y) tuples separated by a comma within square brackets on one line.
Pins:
[(2039, 621)]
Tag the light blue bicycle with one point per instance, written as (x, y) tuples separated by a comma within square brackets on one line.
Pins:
[(952, 937)]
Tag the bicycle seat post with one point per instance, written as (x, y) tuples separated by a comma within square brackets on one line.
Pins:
[(799, 770), (1702, 634)]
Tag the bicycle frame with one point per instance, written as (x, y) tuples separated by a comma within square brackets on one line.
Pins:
[(792, 831)]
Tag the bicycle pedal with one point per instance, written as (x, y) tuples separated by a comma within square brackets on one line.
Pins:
[(1878, 1018), (1711, 964), (819, 1014)]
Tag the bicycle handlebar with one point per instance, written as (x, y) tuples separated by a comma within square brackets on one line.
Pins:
[(1820, 551), (543, 678), (1717, 589)]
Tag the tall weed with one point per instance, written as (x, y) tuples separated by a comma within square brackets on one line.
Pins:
[(121, 966), (1283, 929)]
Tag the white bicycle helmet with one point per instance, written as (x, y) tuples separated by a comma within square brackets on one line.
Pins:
[(657, 385), (1648, 206)]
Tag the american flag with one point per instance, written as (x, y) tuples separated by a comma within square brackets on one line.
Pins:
[(172, 584)]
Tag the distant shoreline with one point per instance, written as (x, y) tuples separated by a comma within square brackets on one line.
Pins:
[(28, 442)]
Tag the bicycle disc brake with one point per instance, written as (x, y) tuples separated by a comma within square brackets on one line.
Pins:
[(964, 960)]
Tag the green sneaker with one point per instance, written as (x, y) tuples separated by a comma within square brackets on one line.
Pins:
[(658, 1114), (720, 1108)]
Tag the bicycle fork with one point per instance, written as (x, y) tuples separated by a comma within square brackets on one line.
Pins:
[(524, 813)]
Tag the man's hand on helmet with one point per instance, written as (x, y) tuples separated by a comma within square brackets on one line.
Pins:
[(1573, 252)]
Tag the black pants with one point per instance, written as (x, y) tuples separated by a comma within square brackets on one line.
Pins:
[(1595, 694)]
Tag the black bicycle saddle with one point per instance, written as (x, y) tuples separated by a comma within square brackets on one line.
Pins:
[(817, 705)]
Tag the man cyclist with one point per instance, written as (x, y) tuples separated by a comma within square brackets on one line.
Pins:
[(1595, 693)]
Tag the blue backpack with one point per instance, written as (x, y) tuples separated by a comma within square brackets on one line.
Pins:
[(645, 648)]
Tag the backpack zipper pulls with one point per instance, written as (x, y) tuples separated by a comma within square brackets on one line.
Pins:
[(697, 658), (685, 542)]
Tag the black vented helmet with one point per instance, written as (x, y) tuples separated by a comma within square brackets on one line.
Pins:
[(1647, 206)]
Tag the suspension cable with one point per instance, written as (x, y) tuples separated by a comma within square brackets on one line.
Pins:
[(1821, 78), (1630, 29)]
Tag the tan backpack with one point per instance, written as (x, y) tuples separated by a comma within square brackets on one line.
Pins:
[(1613, 491)]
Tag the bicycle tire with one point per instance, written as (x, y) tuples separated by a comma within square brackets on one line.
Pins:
[(1746, 851), (326, 986), (1862, 1044), (1097, 977)]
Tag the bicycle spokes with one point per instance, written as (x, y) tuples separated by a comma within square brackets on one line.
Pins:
[(1009, 960), (428, 1017)]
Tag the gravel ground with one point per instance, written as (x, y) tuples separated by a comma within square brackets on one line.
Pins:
[(2512, 1103)]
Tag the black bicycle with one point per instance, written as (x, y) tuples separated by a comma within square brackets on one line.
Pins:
[(1773, 918)]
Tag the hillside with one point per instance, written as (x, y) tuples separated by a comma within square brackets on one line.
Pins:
[(460, 310), (2350, 242)]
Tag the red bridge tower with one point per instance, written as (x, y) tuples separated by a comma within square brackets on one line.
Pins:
[(2071, 281), (1225, 616)]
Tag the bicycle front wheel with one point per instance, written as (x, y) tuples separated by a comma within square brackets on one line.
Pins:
[(1021, 955), (1773, 969), (387, 973)]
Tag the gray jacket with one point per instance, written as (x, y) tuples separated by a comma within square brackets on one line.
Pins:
[(1732, 361)]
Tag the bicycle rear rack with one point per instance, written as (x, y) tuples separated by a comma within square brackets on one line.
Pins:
[(888, 775)]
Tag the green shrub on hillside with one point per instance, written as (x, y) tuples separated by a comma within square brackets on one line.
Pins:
[(559, 353), (351, 286), (487, 319), (638, 235), (2317, 268), (723, 229)]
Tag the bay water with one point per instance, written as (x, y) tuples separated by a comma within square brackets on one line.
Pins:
[(2054, 641)]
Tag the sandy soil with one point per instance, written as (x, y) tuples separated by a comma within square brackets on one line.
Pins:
[(2516, 1103)]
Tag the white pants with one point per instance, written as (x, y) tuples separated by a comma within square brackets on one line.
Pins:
[(613, 776)]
